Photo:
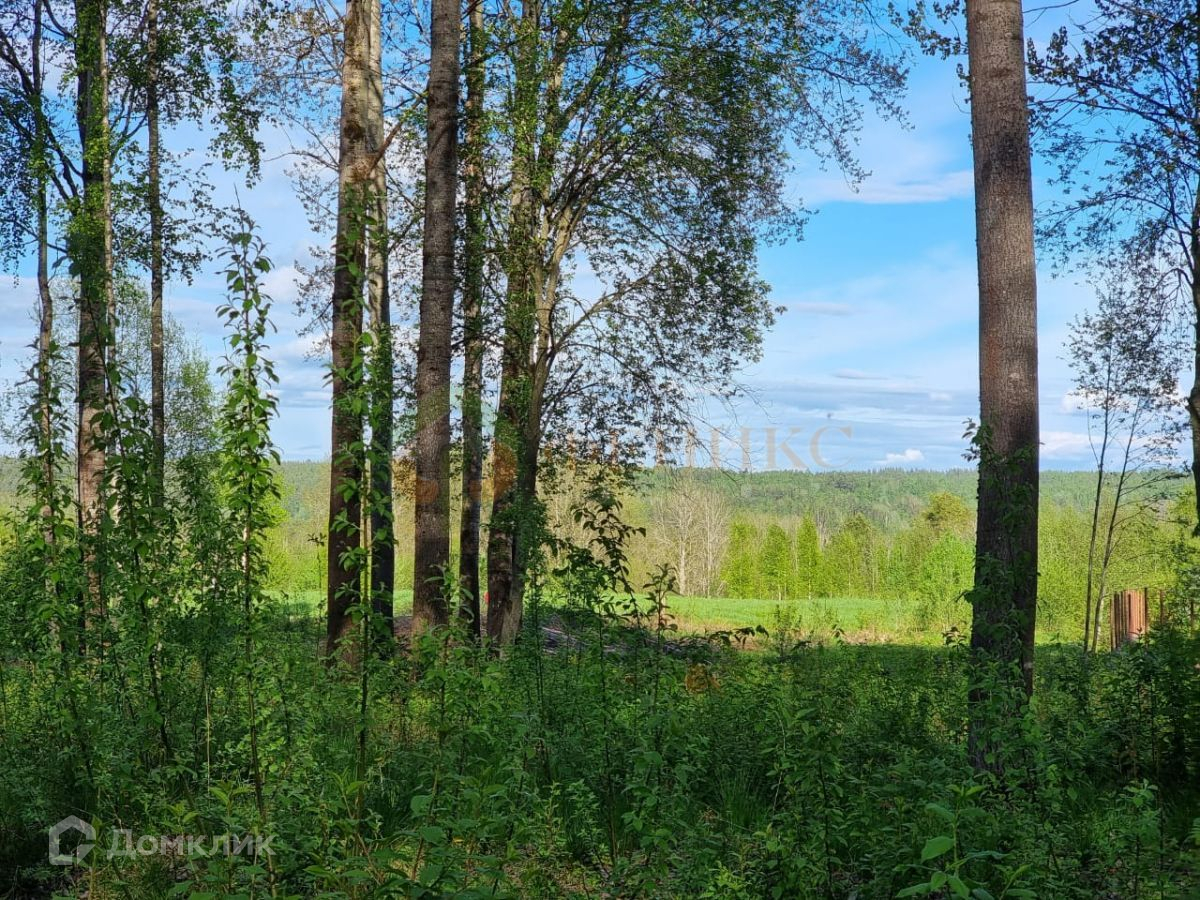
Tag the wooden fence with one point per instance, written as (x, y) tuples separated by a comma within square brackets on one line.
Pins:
[(1130, 615)]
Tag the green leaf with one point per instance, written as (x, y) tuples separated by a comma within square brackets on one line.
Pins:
[(940, 811), (936, 846), (431, 834), (430, 874)]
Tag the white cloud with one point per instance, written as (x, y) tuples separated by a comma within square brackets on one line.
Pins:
[(1074, 401), (1066, 444), (927, 162), (858, 375), (908, 457), (900, 182)]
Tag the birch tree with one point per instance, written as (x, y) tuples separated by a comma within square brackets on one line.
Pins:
[(1119, 113), (1125, 356)]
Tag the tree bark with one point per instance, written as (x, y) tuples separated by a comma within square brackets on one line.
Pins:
[(46, 299), (511, 437), (472, 313), (158, 418), (1193, 403), (90, 250), (383, 545), (432, 457), (1005, 594), (345, 559)]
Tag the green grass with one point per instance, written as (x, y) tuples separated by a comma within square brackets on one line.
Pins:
[(854, 615), (860, 617), (313, 602)]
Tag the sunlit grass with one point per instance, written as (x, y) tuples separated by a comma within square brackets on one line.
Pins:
[(822, 614), (864, 617)]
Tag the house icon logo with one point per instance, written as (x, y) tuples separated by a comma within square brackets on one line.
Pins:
[(82, 849)]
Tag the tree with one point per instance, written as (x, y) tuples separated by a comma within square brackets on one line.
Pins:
[(713, 518), (154, 202), (80, 196), (356, 162), (850, 559), (739, 571), (1124, 357), (474, 249), (1004, 596), (90, 245), (26, 155), (807, 559), (1119, 114), (943, 580), (179, 63), (689, 525), (947, 512), (431, 557), (646, 142), (774, 563), (382, 380)]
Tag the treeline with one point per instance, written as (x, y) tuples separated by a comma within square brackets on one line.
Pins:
[(905, 536), (890, 535)]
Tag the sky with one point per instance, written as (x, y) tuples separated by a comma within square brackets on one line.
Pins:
[(872, 363), (879, 335)]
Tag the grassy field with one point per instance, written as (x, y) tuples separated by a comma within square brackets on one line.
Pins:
[(860, 618), (870, 617)]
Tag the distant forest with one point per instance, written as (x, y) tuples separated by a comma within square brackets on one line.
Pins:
[(892, 534)]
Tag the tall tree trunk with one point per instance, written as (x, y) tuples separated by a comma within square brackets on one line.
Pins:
[(90, 250), (1005, 593), (345, 560), (472, 313), (45, 298), (1193, 403), (383, 545), (1094, 535), (432, 517), (510, 440), (158, 417)]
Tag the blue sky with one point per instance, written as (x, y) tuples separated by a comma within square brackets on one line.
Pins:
[(879, 335), (876, 346)]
